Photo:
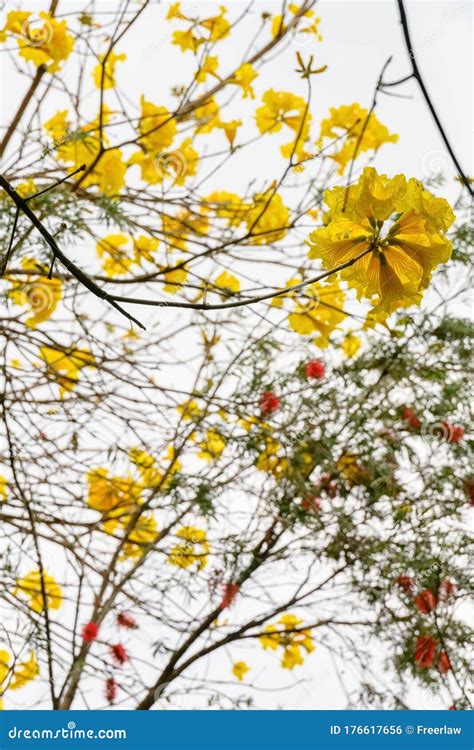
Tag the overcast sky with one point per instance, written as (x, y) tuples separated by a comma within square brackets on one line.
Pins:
[(358, 39)]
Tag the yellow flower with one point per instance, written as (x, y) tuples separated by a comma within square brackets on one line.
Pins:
[(116, 260), (352, 121), (107, 69), (26, 188), (3, 489), (227, 206), (212, 446), (240, 669), (18, 674), (243, 77), (83, 146), (40, 38), (184, 555), (206, 116), (218, 26), (30, 586), (41, 295), (228, 282), (175, 280), (230, 129), (112, 496), (190, 410), (279, 108), (269, 460), (291, 642), (284, 108), (302, 26), (351, 469), (351, 345), (143, 533), (157, 131), (207, 68), (24, 673), (186, 40), (174, 11), (266, 218), (143, 248), (318, 308), (64, 367), (400, 259)]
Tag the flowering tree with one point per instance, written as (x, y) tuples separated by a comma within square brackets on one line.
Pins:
[(235, 420)]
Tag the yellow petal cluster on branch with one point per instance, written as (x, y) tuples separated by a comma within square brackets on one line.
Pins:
[(30, 587), (41, 38), (292, 643), (14, 676), (355, 129), (193, 550), (399, 224)]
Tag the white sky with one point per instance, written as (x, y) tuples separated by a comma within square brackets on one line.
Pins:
[(358, 38)]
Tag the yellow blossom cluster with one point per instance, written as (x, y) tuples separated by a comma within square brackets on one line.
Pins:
[(400, 229), (306, 23), (192, 550), (41, 38), (199, 31), (291, 638), (317, 309), (282, 108), (41, 295), (31, 587), (104, 71), (13, 675), (83, 146), (65, 367), (353, 127)]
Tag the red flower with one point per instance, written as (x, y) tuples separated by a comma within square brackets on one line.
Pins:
[(452, 708), (269, 402), (406, 583), (426, 601), (468, 487), (453, 432), (119, 654), (110, 690), (444, 665), (425, 650), (311, 502), (447, 588), (125, 620), (90, 631), (230, 592), (410, 416), (315, 369)]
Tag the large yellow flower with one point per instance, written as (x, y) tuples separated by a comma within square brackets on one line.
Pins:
[(30, 586), (291, 642), (112, 496), (361, 130), (40, 38), (402, 227)]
